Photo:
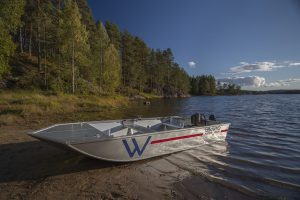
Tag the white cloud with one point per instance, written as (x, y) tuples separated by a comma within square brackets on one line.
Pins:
[(294, 64), (254, 81), (257, 81), (192, 64), (245, 67), (286, 82), (258, 66)]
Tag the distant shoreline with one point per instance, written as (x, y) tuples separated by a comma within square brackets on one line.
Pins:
[(252, 92), (271, 92)]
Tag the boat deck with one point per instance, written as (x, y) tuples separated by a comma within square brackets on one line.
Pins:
[(87, 131)]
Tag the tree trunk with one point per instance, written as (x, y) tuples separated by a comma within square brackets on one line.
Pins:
[(169, 76), (38, 38), (45, 71), (100, 68), (30, 39), (73, 68), (45, 60), (21, 40), (39, 48), (59, 70), (59, 58), (123, 69)]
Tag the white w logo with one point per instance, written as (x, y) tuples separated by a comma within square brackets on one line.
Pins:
[(136, 147)]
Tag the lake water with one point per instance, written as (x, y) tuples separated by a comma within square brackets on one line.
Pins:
[(261, 155)]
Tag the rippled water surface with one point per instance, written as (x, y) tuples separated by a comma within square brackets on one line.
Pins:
[(261, 155)]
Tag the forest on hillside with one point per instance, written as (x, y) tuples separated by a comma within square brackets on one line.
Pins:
[(56, 45)]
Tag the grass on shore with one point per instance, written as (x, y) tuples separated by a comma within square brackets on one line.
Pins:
[(149, 95), (17, 106)]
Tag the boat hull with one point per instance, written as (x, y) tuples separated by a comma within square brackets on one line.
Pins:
[(143, 146)]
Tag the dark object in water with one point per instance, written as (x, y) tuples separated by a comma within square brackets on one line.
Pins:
[(147, 103)]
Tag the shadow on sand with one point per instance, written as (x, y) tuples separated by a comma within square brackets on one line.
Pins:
[(37, 160)]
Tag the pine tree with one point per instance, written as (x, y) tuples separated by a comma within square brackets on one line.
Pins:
[(150, 70), (114, 34), (141, 54), (74, 38), (111, 75), (212, 84), (127, 59), (203, 85), (10, 15), (86, 16), (99, 46)]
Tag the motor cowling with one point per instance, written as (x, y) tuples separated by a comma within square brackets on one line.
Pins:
[(212, 118)]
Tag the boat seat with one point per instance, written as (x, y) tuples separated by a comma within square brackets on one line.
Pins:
[(173, 125), (113, 130), (174, 122), (139, 128)]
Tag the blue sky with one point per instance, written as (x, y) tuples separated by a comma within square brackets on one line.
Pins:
[(254, 43)]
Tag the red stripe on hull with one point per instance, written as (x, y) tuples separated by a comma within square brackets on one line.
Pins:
[(175, 138), (224, 130)]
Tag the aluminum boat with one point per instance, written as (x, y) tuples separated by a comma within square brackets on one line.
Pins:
[(135, 139)]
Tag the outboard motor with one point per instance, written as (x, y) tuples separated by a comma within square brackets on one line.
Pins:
[(195, 118), (198, 119), (203, 120), (212, 118)]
